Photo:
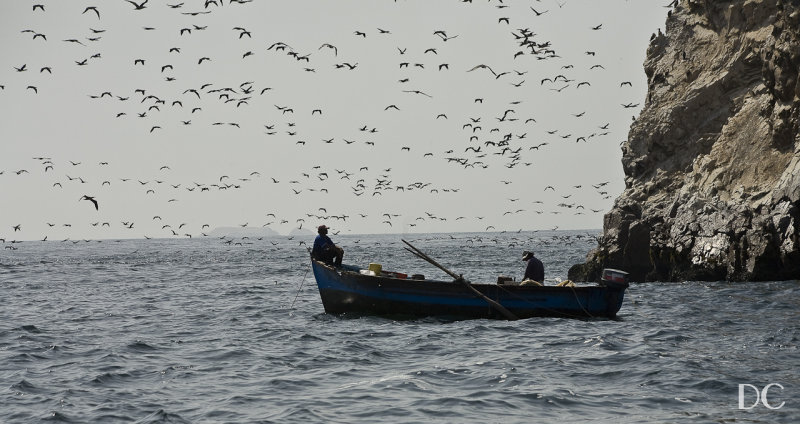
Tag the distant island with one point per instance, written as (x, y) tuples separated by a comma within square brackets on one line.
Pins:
[(301, 232), (243, 232), (256, 232)]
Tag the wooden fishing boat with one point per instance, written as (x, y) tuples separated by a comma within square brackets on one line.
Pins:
[(355, 291)]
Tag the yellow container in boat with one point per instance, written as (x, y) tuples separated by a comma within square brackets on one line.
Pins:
[(376, 268)]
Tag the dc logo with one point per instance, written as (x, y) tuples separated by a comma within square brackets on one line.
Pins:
[(761, 396)]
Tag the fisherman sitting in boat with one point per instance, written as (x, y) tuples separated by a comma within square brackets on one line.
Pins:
[(324, 250), (534, 272)]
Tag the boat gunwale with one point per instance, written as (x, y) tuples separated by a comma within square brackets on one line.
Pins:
[(345, 290), (347, 271)]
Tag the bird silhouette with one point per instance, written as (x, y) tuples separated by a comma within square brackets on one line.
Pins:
[(482, 66), (91, 199), (138, 6), (330, 46), (443, 35), (417, 92), (93, 9)]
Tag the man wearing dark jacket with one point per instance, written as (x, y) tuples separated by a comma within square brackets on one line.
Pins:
[(324, 250), (535, 269)]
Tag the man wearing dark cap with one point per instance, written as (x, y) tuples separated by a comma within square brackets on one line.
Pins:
[(535, 269), (324, 250)]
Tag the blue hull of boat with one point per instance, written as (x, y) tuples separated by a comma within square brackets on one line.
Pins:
[(346, 291)]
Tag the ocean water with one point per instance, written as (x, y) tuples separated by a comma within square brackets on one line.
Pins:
[(219, 330)]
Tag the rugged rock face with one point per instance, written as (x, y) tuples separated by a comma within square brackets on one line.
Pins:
[(712, 164)]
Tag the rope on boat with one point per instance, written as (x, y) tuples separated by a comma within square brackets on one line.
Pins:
[(298, 290), (500, 286), (579, 302)]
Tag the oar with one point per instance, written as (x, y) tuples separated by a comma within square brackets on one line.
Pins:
[(505, 312)]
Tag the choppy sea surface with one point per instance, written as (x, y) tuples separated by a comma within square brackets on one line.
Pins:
[(233, 330)]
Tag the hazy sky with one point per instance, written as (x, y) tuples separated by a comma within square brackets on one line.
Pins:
[(368, 116)]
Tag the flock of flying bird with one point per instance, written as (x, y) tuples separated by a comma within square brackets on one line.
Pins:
[(498, 134)]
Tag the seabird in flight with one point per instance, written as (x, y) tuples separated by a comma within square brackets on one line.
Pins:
[(138, 6), (91, 199), (93, 8)]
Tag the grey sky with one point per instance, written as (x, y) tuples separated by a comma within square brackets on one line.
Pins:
[(415, 165)]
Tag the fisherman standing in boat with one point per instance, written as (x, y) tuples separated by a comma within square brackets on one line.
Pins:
[(535, 269), (324, 250)]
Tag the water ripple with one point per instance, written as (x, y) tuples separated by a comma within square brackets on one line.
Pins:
[(167, 331)]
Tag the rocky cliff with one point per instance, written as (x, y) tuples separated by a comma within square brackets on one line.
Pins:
[(712, 164)]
